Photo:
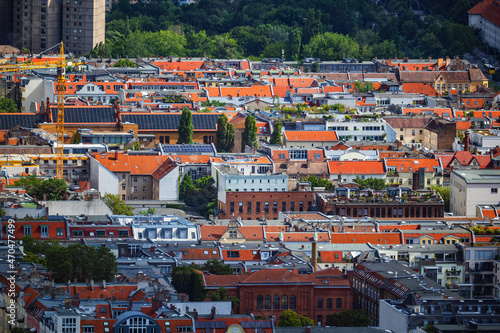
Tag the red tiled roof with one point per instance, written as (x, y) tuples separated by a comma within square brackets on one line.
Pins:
[(356, 167), (244, 255), (419, 88), (463, 125), (212, 232), (362, 238), (311, 136), (331, 256), (480, 7), (135, 164), (297, 236), (413, 164), (252, 233)]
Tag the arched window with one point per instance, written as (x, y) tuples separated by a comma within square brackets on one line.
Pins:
[(284, 302), (329, 303), (276, 302), (320, 303), (293, 302), (260, 299), (338, 302), (267, 303)]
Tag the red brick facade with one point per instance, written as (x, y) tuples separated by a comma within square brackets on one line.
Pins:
[(252, 205), (268, 293)]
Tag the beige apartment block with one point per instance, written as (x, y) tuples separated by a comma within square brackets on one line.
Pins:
[(41, 24)]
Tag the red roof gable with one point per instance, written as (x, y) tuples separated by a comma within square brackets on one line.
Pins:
[(356, 167), (313, 136)]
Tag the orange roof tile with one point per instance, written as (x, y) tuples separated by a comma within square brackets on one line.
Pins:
[(419, 88), (356, 167), (463, 125), (312, 136), (331, 256), (297, 236), (135, 164), (362, 238), (212, 232), (412, 164)]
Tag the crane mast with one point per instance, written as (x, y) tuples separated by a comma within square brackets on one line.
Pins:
[(60, 89)]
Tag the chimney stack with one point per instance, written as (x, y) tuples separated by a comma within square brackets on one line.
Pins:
[(466, 141), (314, 256)]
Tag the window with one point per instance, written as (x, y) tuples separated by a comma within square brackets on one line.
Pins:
[(101, 233), (144, 189), (135, 179), (233, 254), (494, 190), (123, 187), (329, 304), (68, 325), (276, 302), (78, 233), (293, 302), (122, 233), (281, 156), (266, 207), (320, 303), (60, 232), (267, 303), (27, 230), (320, 320), (135, 188), (232, 207), (284, 302), (257, 207), (292, 206), (338, 303), (283, 206), (301, 206), (275, 207), (240, 207), (249, 207), (88, 329), (260, 299), (144, 179), (44, 231)]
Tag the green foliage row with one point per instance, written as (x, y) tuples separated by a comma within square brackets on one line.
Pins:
[(202, 194), (319, 182), (117, 205), (76, 261), (249, 135), (371, 183), (49, 188), (225, 134), (7, 105), (325, 29)]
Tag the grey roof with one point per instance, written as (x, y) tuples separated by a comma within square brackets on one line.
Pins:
[(87, 115), (170, 121), (8, 120), (480, 176)]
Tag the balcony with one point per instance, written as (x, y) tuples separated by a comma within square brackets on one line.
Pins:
[(453, 273)]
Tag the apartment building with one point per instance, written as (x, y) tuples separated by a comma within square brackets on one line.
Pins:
[(40, 24)]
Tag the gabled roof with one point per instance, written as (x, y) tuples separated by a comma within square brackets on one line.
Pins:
[(297, 236), (372, 238), (480, 7), (212, 232), (136, 164), (356, 167), (412, 164), (419, 88), (311, 136), (407, 122)]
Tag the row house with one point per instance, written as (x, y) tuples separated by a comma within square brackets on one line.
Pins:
[(52, 227), (416, 174), (309, 139), (135, 177), (359, 130)]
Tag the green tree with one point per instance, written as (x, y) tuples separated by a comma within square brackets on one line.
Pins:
[(125, 63), (276, 134), (216, 267), (185, 128), (50, 189), (372, 183), (186, 187), (225, 134), (7, 105), (222, 294), (313, 25), (363, 87), (293, 319), (117, 205), (444, 192), (187, 280), (319, 182), (348, 318), (2, 212), (249, 136), (331, 46)]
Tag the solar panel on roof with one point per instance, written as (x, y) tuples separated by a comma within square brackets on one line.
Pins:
[(210, 324), (7, 121)]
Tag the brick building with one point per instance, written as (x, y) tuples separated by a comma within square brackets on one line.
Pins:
[(268, 293), (255, 205)]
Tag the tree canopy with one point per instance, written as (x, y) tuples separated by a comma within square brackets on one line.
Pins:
[(276, 134), (201, 195), (291, 318), (185, 128), (249, 136), (349, 318), (371, 183), (117, 205), (225, 134), (262, 28), (319, 182), (187, 280), (43, 189), (7, 105), (76, 261)]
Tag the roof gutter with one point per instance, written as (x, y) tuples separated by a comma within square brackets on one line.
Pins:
[(473, 237)]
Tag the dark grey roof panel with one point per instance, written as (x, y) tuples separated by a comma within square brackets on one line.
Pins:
[(7, 120), (170, 121), (87, 115)]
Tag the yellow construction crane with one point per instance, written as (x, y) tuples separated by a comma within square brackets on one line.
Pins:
[(60, 89)]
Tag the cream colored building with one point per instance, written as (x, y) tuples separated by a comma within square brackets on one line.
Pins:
[(41, 24)]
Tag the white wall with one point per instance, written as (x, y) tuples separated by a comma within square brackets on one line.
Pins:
[(391, 319), (169, 185), (102, 179)]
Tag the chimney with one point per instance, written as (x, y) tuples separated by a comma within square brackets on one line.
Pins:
[(466, 141), (212, 312), (314, 256), (153, 248), (67, 303), (104, 284), (92, 285), (156, 304)]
